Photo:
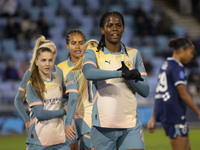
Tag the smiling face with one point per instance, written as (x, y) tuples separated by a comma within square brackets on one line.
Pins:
[(75, 45), (45, 62), (113, 29)]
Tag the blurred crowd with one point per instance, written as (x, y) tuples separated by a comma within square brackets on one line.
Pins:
[(148, 28)]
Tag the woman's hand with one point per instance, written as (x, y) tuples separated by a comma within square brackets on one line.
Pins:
[(151, 125), (70, 133), (199, 114)]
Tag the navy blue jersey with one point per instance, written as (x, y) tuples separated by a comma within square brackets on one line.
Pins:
[(169, 107)]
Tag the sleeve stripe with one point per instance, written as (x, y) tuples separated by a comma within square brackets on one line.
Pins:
[(69, 82), (77, 116), (35, 103), (180, 82), (21, 89), (95, 98), (90, 62), (87, 136), (32, 121), (71, 90), (143, 73)]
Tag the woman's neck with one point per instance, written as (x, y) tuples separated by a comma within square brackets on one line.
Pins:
[(114, 48), (46, 77), (177, 57), (74, 60)]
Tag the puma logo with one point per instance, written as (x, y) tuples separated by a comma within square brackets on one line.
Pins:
[(108, 61)]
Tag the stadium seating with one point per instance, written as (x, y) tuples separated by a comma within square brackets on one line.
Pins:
[(9, 46), (179, 30)]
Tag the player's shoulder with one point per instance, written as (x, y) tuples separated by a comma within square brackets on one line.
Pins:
[(90, 46), (173, 62), (26, 76), (92, 49), (56, 75), (29, 84), (130, 49), (28, 72), (62, 64)]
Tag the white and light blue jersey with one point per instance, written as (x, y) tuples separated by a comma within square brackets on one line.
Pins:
[(79, 106), (114, 97), (64, 68), (26, 77), (51, 131), (169, 107)]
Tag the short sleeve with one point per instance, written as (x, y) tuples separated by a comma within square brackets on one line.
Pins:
[(178, 76)]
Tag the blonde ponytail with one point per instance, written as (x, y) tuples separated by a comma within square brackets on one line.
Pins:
[(41, 44), (78, 74)]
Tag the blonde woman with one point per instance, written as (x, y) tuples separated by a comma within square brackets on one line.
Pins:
[(44, 96), (40, 42), (80, 103)]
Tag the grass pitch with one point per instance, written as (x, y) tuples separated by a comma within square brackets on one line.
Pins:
[(153, 141), (158, 140)]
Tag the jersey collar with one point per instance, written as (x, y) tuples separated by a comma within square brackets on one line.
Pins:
[(52, 77), (106, 51), (171, 58), (70, 64)]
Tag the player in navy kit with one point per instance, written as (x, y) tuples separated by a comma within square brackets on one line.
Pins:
[(171, 96)]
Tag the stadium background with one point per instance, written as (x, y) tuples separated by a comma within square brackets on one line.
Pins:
[(17, 41)]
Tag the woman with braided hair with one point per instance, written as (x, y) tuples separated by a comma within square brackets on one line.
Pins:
[(80, 101), (117, 73), (75, 40)]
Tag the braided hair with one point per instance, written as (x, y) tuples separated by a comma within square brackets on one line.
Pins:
[(67, 38), (178, 43), (72, 32), (102, 43)]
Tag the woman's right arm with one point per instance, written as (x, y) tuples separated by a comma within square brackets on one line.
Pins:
[(18, 101), (91, 72), (152, 121), (42, 114), (36, 105), (72, 92)]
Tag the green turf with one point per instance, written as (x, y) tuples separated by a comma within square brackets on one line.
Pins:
[(158, 140), (153, 141), (14, 142)]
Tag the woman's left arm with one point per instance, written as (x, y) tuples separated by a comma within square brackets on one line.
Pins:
[(141, 87), (182, 90)]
